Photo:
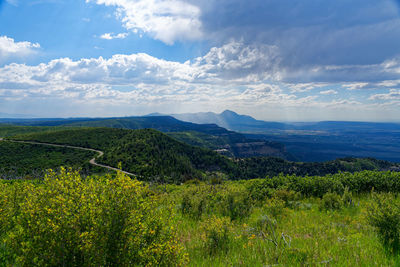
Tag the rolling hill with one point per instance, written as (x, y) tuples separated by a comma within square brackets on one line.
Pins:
[(157, 157), (148, 153), (205, 135)]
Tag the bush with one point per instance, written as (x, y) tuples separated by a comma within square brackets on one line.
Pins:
[(384, 215), (331, 201), (286, 195), (206, 199), (217, 234), (275, 208), (236, 205), (67, 220), (193, 203), (347, 197)]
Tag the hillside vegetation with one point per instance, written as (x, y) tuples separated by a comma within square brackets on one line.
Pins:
[(158, 157), (336, 220), (236, 144), (26, 160), (7, 130), (148, 153)]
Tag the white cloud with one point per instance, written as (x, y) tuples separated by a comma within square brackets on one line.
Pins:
[(165, 20), (231, 76), (304, 87), (110, 36), (354, 86), (10, 48), (329, 92), (392, 95)]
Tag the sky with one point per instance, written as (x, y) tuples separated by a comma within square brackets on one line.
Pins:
[(276, 60)]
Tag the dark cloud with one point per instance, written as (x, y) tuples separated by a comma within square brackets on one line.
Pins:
[(312, 32)]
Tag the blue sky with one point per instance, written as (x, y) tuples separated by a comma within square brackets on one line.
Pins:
[(282, 60)]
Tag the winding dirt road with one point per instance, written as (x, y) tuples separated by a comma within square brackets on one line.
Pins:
[(92, 161)]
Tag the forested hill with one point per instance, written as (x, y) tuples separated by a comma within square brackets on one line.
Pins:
[(146, 152), (160, 123), (205, 135), (156, 156)]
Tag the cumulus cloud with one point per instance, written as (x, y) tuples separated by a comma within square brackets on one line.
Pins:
[(392, 95), (228, 74), (9, 48), (110, 36), (234, 75), (165, 20), (344, 42), (231, 63), (329, 92)]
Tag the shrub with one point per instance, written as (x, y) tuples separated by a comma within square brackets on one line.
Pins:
[(275, 208), (331, 201), (205, 199), (67, 220), (384, 214), (217, 234), (288, 196), (347, 197), (259, 189), (236, 205), (193, 203)]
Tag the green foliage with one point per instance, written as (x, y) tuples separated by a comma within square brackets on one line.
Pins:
[(318, 186), (103, 221), (7, 130), (232, 202), (148, 153), (26, 160), (217, 234), (67, 220), (384, 214), (286, 195), (157, 157), (275, 207), (347, 197), (331, 201), (256, 167)]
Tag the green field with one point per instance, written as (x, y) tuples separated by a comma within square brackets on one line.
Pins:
[(336, 220)]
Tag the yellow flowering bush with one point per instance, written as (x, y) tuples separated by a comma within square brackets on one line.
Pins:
[(217, 234), (70, 221)]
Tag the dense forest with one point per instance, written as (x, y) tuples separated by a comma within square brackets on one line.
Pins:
[(158, 157), (26, 160)]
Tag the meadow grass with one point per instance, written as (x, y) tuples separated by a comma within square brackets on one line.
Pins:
[(232, 223)]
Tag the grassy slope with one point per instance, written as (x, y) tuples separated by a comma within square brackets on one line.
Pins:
[(315, 235), (206, 222)]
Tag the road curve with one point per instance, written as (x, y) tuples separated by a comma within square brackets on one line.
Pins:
[(92, 161)]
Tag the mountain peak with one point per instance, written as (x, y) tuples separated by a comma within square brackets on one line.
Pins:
[(228, 112)]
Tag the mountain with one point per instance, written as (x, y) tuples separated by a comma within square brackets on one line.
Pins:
[(231, 121)]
